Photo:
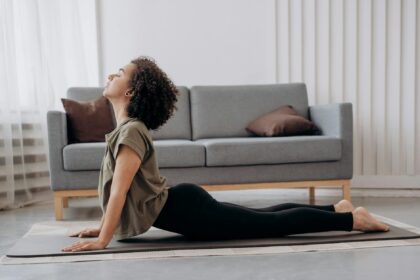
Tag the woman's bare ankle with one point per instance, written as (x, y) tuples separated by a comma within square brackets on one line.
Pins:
[(356, 220)]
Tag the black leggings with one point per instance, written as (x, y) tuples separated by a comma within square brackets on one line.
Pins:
[(191, 211)]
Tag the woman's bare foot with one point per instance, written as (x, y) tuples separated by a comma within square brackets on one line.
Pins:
[(364, 221), (343, 206)]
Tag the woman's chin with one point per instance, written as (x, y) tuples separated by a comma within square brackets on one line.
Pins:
[(108, 94), (105, 92)]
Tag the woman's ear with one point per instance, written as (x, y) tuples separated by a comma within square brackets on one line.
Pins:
[(129, 92)]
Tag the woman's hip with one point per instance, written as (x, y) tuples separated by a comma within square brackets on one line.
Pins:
[(183, 206)]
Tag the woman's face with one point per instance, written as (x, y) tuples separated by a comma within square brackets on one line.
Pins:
[(118, 83)]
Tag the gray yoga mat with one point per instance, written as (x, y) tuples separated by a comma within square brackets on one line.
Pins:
[(161, 240)]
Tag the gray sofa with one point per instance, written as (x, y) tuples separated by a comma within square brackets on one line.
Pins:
[(206, 143)]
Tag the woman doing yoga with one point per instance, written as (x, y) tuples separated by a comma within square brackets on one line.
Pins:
[(134, 196)]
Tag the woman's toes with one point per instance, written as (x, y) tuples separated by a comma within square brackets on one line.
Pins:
[(383, 226)]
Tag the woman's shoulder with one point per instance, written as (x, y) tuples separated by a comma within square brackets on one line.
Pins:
[(135, 124), (131, 127)]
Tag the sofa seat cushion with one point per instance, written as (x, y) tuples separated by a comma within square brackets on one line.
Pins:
[(180, 153), (84, 156), (271, 150), (170, 153)]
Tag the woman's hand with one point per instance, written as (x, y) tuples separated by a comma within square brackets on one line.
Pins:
[(88, 232), (85, 245)]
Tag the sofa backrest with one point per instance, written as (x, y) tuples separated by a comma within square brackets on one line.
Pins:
[(225, 111), (177, 127)]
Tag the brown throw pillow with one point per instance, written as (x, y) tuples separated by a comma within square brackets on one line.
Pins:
[(88, 121), (284, 121)]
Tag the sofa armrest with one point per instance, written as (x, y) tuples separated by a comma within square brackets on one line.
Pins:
[(57, 127), (337, 120), (57, 139), (333, 119)]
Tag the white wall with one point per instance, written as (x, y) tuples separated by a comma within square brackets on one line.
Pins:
[(366, 52), (195, 42)]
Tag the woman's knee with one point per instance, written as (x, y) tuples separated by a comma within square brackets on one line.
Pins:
[(288, 205)]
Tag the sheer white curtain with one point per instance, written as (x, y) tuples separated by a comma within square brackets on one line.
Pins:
[(46, 46)]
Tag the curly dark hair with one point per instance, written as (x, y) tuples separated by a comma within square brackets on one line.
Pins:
[(155, 95)]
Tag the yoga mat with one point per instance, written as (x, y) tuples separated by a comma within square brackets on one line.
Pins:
[(45, 240)]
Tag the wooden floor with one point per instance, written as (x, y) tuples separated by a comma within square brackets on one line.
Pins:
[(368, 263)]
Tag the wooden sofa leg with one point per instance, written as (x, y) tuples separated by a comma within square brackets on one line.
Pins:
[(58, 206), (65, 202), (312, 195), (346, 190), (61, 199)]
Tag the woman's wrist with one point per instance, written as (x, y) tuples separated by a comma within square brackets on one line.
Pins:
[(104, 240)]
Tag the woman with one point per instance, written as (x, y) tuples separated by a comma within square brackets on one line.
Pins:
[(135, 197)]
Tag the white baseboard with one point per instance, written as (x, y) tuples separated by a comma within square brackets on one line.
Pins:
[(370, 192), (385, 181), (303, 193)]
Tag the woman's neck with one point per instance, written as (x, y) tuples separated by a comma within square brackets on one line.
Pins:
[(120, 113)]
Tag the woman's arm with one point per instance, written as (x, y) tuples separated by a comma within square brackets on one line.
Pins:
[(127, 164), (102, 221)]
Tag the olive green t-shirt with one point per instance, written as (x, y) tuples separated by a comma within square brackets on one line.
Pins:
[(148, 191)]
